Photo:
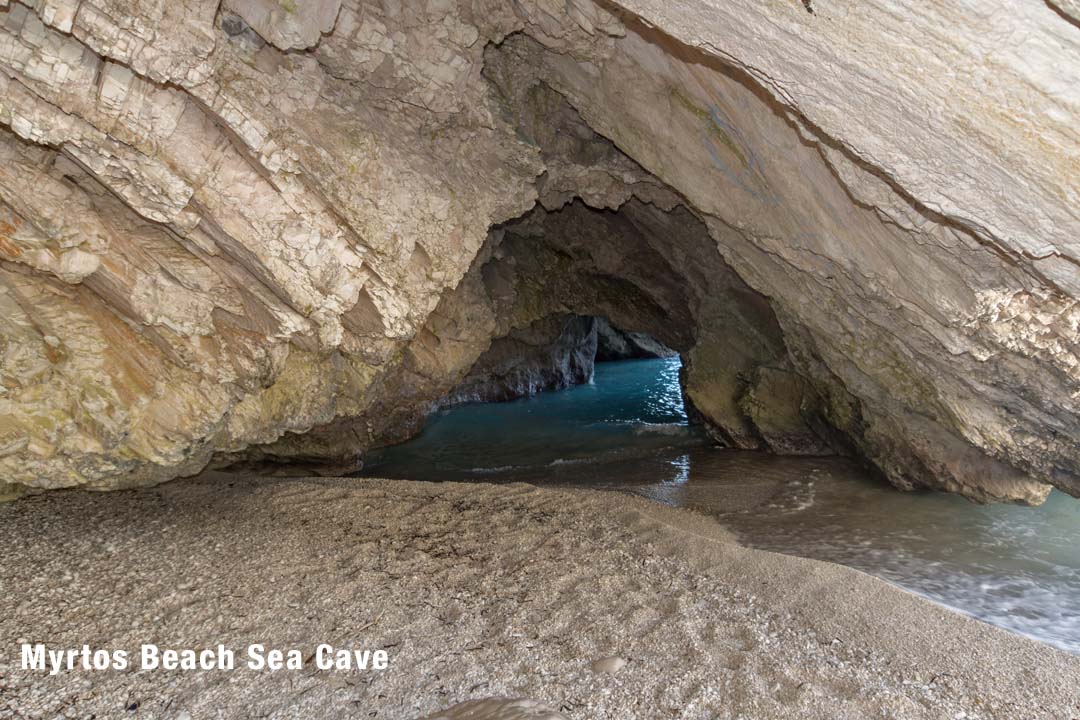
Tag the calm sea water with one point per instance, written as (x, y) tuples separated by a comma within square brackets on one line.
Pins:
[(1015, 567)]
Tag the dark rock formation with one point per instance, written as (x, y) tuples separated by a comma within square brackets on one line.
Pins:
[(552, 353), (615, 344)]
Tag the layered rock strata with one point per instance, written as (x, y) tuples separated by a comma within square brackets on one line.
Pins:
[(290, 229)]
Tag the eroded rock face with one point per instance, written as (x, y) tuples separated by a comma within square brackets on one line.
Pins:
[(291, 229), (554, 353), (615, 344)]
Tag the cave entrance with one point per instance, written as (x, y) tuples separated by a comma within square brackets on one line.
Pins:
[(566, 399), (653, 276), (643, 278), (697, 358), (553, 353)]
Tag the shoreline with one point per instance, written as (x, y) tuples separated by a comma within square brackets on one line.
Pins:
[(480, 591)]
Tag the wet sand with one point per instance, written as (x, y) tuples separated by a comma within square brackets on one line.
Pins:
[(478, 591)]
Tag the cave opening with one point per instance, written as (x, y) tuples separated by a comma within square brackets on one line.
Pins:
[(652, 273), (686, 356), (570, 283), (557, 290), (565, 396)]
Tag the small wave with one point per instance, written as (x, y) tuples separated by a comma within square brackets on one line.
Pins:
[(611, 455), (497, 469), (536, 466), (500, 469), (569, 461), (799, 496)]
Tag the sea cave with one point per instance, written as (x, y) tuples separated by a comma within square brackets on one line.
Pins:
[(584, 359)]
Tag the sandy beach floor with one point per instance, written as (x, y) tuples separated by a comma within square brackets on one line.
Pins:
[(476, 591)]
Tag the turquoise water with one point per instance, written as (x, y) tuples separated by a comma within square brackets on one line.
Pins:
[(634, 408), (1015, 567)]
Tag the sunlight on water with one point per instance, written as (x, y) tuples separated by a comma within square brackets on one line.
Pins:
[(1012, 566)]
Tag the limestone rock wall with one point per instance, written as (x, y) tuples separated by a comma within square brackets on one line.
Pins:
[(262, 224), (208, 242)]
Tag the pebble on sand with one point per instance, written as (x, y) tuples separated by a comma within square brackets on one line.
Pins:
[(610, 664), (498, 709)]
